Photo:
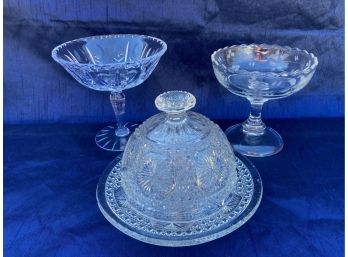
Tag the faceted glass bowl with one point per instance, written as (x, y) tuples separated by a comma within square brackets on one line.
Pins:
[(111, 63), (261, 73)]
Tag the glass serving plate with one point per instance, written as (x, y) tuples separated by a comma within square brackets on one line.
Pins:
[(111, 63), (178, 182), (261, 73)]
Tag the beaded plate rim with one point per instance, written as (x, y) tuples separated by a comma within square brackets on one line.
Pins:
[(224, 229)]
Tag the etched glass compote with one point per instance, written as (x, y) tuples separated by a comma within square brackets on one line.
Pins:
[(261, 73), (111, 63)]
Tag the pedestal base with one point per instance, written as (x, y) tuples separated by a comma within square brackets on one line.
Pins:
[(107, 139), (266, 144)]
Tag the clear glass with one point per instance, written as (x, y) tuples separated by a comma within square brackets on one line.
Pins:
[(178, 182), (178, 165), (261, 73), (111, 63)]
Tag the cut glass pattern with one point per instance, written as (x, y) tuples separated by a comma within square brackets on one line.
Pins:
[(178, 177)]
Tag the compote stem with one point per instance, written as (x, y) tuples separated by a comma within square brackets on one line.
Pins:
[(118, 102), (254, 125)]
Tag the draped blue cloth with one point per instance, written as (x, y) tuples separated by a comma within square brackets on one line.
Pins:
[(51, 170), (51, 173), (38, 90)]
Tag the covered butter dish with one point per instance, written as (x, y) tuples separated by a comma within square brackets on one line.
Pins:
[(178, 182)]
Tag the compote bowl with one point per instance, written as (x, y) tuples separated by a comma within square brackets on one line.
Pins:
[(111, 63), (261, 73)]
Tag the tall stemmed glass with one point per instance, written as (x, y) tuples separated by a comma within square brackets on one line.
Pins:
[(261, 73), (111, 63)]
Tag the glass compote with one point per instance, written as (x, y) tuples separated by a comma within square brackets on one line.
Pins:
[(261, 73), (111, 63)]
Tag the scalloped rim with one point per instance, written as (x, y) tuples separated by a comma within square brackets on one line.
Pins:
[(297, 72), (152, 57)]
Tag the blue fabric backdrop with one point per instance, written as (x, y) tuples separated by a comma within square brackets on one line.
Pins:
[(51, 210), (38, 90), (51, 171)]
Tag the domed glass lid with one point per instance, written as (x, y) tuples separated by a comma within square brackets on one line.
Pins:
[(178, 165)]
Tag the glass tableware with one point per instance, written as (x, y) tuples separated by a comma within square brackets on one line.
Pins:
[(111, 63), (178, 182), (261, 73)]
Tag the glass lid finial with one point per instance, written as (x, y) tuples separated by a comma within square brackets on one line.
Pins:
[(175, 101)]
